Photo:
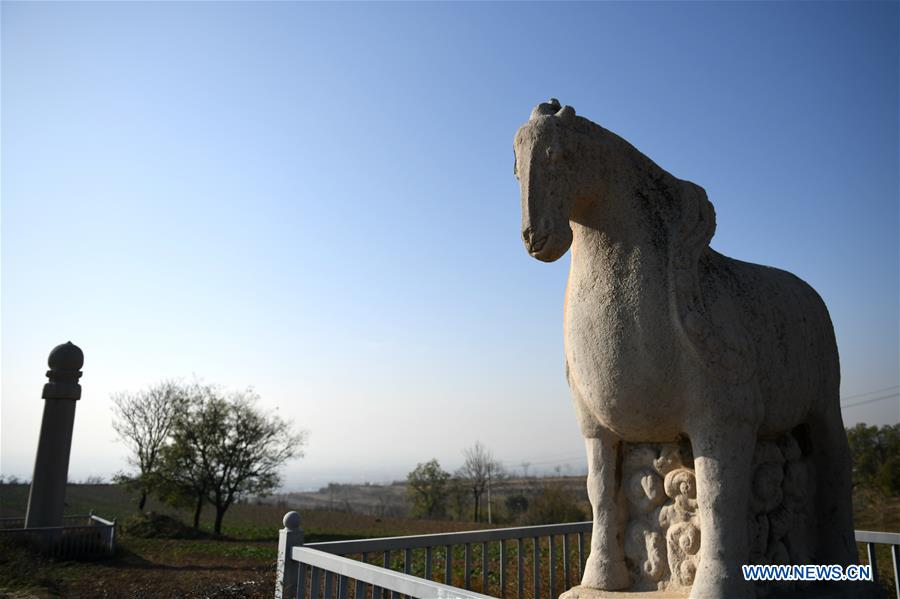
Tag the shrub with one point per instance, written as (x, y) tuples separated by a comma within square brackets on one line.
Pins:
[(160, 526), (516, 505), (552, 505)]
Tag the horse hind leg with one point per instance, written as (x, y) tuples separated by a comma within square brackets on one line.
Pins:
[(830, 454)]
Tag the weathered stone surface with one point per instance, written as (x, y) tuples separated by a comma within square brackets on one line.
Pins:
[(706, 388)]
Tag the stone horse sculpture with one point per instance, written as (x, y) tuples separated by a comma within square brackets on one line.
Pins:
[(706, 388)]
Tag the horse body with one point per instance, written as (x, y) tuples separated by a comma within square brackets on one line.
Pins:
[(630, 368), (797, 374), (666, 338)]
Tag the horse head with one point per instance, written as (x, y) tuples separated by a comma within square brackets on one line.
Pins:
[(548, 180)]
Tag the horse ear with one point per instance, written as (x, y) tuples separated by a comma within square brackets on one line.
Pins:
[(545, 108), (566, 114)]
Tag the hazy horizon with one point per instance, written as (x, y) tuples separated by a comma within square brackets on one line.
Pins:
[(318, 200)]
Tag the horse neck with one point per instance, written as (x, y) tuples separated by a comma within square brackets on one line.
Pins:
[(619, 247)]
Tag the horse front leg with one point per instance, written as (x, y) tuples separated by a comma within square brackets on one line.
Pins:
[(605, 568), (723, 457)]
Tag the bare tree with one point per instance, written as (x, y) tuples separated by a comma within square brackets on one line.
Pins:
[(382, 496), (478, 471), (143, 421)]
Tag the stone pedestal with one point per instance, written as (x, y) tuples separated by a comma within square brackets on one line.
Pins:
[(662, 530), (662, 523), (581, 592), (822, 590)]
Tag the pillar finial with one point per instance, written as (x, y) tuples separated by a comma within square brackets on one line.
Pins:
[(65, 363), (291, 521)]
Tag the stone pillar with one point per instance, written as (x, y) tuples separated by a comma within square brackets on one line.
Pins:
[(287, 569), (51, 465)]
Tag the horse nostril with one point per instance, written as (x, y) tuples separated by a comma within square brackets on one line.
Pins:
[(526, 235), (538, 244)]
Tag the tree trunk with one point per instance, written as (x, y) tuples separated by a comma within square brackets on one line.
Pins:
[(198, 510), (477, 502), (143, 501), (220, 514), (490, 520)]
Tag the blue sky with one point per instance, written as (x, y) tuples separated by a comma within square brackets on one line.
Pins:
[(318, 200)]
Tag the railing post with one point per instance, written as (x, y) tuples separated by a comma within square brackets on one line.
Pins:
[(895, 555), (112, 537), (286, 576), (870, 549)]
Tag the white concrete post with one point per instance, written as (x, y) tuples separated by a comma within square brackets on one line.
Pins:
[(112, 537), (288, 537)]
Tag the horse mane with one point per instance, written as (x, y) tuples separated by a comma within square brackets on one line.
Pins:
[(730, 356)]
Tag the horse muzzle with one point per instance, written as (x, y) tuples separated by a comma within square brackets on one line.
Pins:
[(546, 247), (534, 242)]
